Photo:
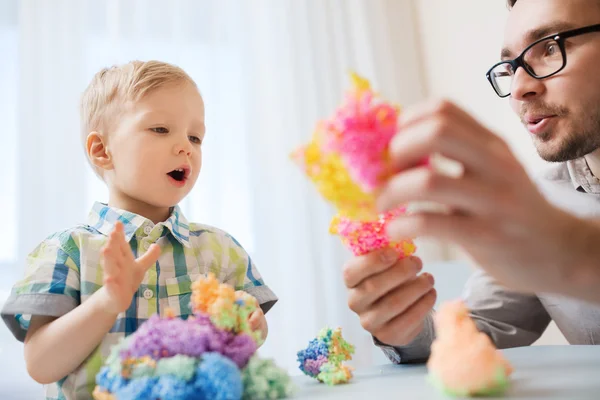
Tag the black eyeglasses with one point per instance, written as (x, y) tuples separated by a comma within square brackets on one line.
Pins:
[(541, 59)]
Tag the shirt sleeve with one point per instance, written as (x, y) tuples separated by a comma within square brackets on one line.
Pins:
[(51, 287), (244, 275), (510, 319)]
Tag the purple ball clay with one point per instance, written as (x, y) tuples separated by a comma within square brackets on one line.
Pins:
[(166, 337)]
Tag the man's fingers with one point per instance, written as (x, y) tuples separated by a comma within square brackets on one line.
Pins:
[(426, 109), (402, 329), (440, 226), (396, 303), (448, 138), (359, 268), (372, 289), (468, 194), (442, 127)]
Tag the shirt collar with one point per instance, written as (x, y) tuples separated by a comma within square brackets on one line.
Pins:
[(582, 177), (103, 218)]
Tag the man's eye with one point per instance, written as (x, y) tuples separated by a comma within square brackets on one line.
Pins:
[(160, 129), (551, 49)]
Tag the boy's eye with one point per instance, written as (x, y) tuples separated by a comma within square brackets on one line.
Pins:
[(160, 129), (195, 139)]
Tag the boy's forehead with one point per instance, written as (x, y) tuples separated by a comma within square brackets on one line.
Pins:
[(168, 100), (530, 20)]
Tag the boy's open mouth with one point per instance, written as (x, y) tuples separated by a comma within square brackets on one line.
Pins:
[(178, 174)]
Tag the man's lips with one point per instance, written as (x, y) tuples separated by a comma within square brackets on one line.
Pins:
[(533, 119), (538, 123)]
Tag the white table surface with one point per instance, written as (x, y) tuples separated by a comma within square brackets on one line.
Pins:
[(541, 372)]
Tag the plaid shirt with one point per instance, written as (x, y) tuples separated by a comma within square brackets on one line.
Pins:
[(64, 271)]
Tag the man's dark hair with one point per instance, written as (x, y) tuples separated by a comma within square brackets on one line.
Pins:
[(511, 3)]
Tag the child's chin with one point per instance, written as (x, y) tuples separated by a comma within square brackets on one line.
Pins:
[(167, 202)]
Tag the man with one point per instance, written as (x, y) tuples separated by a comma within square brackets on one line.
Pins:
[(540, 240)]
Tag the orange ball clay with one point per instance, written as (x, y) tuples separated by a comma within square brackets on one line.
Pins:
[(464, 361), (205, 292)]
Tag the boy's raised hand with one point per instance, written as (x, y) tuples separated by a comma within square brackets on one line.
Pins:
[(122, 272)]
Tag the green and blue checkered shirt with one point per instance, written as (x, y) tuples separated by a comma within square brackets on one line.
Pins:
[(64, 271)]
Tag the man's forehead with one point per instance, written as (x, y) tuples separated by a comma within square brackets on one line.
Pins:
[(530, 20)]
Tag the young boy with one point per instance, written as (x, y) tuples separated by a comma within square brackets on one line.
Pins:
[(89, 286)]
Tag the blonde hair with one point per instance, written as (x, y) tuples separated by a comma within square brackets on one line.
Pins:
[(112, 87)]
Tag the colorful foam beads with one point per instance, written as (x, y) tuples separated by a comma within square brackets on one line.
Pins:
[(323, 358), (347, 160), (205, 356)]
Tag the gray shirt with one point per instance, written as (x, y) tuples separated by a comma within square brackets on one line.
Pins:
[(515, 319)]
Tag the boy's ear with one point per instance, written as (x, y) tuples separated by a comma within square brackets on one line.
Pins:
[(97, 151)]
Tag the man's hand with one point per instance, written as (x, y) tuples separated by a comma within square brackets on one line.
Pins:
[(122, 272), (497, 214), (388, 296)]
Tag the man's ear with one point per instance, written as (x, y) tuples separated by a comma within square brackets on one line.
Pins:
[(98, 152)]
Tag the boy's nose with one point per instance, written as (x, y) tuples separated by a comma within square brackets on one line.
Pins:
[(184, 147)]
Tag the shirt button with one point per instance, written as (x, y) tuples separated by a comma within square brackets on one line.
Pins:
[(148, 294), (147, 229)]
